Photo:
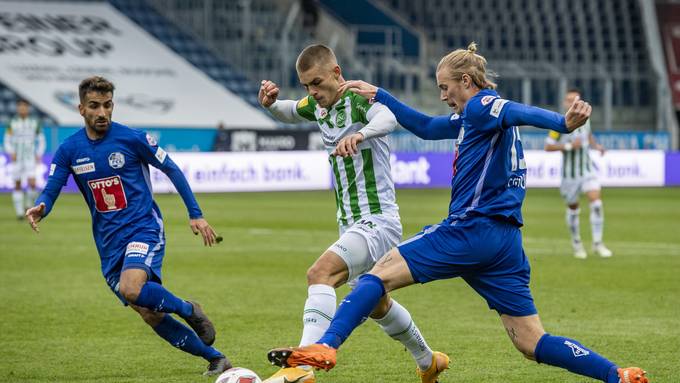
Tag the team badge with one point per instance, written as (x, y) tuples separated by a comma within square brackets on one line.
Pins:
[(487, 99), (116, 160), (152, 141), (340, 118)]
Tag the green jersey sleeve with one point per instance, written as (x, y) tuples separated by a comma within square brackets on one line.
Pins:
[(360, 107)]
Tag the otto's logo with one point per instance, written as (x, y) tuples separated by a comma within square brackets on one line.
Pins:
[(108, 194), (116, 160)]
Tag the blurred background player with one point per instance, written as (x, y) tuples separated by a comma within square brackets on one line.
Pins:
[(110, 163), (367, 213), (24, 141), (579, 176), (480, 239)]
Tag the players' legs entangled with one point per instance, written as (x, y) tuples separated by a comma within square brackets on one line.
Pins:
[(328, 272), (528, 336), (18, 199)]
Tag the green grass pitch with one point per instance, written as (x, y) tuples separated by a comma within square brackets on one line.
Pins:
[(60, 323)]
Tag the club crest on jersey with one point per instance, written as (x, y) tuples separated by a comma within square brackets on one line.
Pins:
[(152, 141), (340, 118), (487, 99), (576, 349), (116, 160), (108, 194)]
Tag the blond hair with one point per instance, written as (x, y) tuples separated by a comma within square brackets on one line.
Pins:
[(317, 54), (466, 61)]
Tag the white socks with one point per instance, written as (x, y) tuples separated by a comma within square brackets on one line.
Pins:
[(31, 195), (319, 310), (18, 201), (574, 225), (597, 220), (397, 323)]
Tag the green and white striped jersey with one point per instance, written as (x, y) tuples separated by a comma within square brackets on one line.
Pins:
[(24, 138), (576, 163), (363, 183)]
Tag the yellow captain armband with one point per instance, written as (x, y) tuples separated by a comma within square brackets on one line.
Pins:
[(302, 102), (554, 135)]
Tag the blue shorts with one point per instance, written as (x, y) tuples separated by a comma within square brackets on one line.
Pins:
[(144, 251), (485, 252)]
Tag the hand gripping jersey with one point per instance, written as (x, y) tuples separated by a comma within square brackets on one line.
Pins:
[(576, 163), (363, 183), (112, 173)]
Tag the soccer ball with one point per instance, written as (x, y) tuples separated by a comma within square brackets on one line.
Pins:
[(238, 375)]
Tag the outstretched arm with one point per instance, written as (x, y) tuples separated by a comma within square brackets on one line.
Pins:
[(515, 114), (282, 110), (381, 122), (422, 125)]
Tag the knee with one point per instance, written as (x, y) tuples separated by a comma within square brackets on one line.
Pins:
[(527, 352), (319, 273), (130, 290)]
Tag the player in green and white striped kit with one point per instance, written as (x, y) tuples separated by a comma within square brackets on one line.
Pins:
[(367, 213), (578, 176), (24, 141)]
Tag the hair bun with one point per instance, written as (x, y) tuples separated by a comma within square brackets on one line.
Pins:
[(472, 48)]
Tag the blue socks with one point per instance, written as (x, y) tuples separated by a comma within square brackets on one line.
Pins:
[(155, 297), (573, 356), (353, 310), (184, 338)]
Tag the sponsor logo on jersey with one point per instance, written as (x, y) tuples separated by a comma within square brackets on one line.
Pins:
[(53, 167), (161, 154), (151, 140), (108, 194), (576, 349), (487, 99), (497, 107), (323, 113), (81, 160), (455, 116), (137, 249), (116, 160), (84, 168)]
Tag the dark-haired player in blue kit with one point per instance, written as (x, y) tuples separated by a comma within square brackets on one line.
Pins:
[(110, 163), (480, 241)]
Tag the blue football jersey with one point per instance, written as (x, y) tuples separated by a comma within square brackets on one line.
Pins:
[(112, 174), (490, 170)]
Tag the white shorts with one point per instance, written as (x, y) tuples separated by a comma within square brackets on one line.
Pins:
[(23, 169), (381, 233), (571, 189)]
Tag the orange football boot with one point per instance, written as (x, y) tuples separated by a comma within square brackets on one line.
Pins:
[(315, 355), (632, 375), (440, 362)]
